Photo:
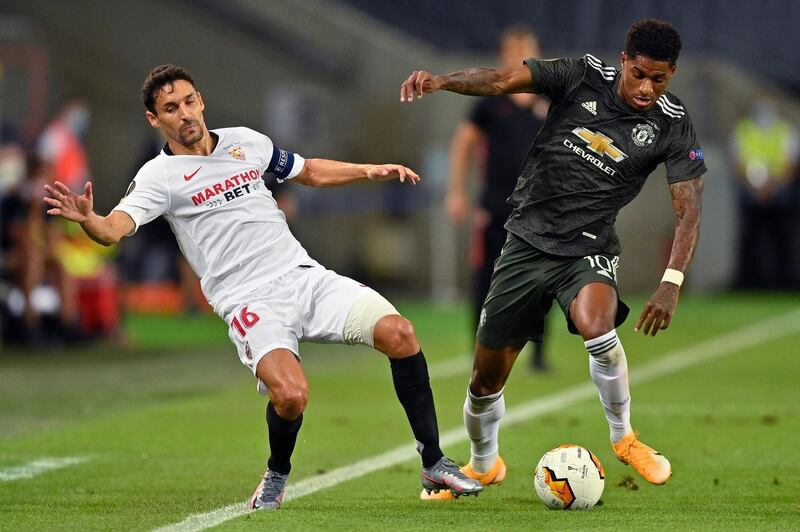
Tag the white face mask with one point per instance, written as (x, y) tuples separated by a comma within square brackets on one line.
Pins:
[(77, 119), (12, 170)]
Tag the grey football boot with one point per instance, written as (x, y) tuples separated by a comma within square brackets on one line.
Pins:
[(269, 494), (446, 475)]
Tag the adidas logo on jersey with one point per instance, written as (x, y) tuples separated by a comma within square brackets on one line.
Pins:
[(591, 107)]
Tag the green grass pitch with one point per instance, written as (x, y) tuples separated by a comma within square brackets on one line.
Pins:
[(173, 426)]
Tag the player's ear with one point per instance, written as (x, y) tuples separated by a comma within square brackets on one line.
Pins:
[(152, 118), (200, 99), (622, 58)]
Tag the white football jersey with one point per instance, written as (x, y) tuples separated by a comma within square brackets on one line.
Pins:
[(226, 221)]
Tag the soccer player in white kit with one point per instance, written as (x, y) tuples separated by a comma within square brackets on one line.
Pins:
[(256, 275)]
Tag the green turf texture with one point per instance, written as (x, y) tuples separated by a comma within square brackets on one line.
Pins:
[(173, 426)]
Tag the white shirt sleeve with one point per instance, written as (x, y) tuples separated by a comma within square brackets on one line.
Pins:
[(281, 163), (147, 197)]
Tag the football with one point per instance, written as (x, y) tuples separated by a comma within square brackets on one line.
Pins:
[(569, 477)]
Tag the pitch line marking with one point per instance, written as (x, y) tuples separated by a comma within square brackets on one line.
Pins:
[(451, 367), (673, 362), (39, 466)]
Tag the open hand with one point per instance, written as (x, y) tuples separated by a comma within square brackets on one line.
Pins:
[(387, 172), (659, 309), (66, 203)]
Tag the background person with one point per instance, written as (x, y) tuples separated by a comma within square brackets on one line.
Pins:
[(764, 150), (498, 133)]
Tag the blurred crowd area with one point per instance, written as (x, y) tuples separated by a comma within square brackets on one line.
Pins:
[(764, 152), (58, 286)]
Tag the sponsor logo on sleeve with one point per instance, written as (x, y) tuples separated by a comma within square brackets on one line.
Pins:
[(696, 154)]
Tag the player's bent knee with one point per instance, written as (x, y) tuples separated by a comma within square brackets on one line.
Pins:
[(594, 309), (290, 402), (395, 336), (359, 327), (594, 327), (592, 322)]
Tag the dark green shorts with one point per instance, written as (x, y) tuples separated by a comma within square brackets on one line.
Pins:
[(525, 282)]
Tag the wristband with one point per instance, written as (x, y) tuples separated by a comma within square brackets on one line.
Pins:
[(673, 276)]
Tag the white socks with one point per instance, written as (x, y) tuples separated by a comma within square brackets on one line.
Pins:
[(609, 369), (482, 417)]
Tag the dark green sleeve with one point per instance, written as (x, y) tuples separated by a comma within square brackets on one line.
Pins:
[(685, 158), (555, 78)]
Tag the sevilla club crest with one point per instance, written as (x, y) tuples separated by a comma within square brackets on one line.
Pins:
[(237, 153)]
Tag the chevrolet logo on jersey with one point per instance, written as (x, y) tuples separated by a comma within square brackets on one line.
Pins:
[(600, 144)]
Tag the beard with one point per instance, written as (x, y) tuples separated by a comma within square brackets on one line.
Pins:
[(187, 138)]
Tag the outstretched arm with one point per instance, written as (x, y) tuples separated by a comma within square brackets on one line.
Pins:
[(687, 202), (328, 173), (105, 230), (472, 82)]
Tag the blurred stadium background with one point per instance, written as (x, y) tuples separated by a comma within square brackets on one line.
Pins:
[(322, 78)]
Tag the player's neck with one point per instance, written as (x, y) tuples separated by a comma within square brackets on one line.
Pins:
[(202, 147)]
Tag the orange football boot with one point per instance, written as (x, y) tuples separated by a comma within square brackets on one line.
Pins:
[(648, 462)]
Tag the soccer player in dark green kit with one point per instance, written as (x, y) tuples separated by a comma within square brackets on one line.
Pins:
[(606, 131)]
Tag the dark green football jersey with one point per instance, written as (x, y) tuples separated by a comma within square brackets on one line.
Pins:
[(592, 156)]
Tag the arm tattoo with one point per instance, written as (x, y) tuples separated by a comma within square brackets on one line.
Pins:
[(687, 202), (474, 81)]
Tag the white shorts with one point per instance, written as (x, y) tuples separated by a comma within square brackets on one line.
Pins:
[(306, 304)]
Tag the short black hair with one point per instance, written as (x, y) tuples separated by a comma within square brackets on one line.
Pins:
[(655, 39), (157, 79)]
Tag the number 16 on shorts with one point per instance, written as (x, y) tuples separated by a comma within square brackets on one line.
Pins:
[(245, 320)]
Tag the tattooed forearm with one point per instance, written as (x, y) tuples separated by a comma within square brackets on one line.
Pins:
[(687, 202), (476, 81)]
